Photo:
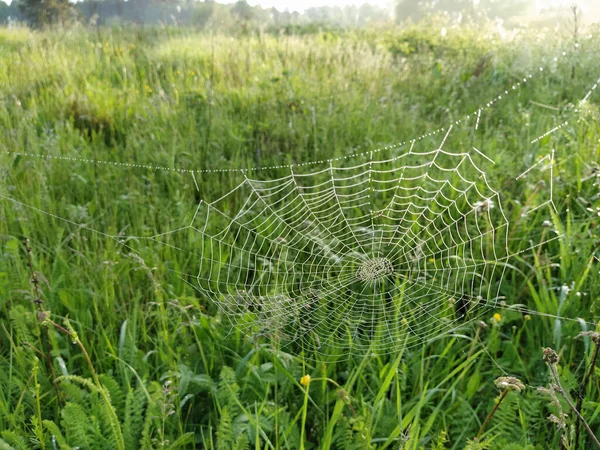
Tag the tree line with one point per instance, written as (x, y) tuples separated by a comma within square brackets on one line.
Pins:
[(39, 13)]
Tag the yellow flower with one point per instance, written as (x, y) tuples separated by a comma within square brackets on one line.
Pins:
[(305, 380), (431, 260), (527, 317), (497, 317)]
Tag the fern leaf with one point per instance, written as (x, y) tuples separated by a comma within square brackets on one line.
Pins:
[(21, 320), (109, 416), (14, 441), (116, 393), (82, 381), (225, 437), (56, 434), (76, 424), (182, 441), (133, 421), (242, 442), (152, 412), (227, 394), (75, 394)]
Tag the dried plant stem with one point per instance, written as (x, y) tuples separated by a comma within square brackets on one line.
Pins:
[(586, 380), (492, 412), (562, 392), (576, 12), (42, 313), (77, 341), (474, 342), (304, 411)]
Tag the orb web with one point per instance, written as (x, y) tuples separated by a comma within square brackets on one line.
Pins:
[(363, 256)]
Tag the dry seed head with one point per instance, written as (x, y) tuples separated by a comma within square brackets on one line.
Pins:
[(550, 356), (559, 422), (594, 335), (510, 383), (43, 317)]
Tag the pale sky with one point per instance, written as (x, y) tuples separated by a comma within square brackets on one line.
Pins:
[(302, 5)]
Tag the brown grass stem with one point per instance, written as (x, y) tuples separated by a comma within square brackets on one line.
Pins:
[(584, 385), (551, 359), (492, 412)]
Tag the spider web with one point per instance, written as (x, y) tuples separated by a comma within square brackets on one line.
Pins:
[(360, 256), (355, 253)]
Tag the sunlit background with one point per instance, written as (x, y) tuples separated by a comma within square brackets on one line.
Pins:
[(590, 7), (303, 5)]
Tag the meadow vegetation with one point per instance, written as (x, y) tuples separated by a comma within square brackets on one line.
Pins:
[(104, 348)]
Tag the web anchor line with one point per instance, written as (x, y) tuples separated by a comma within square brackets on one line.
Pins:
[(475, 114), (441, 248)]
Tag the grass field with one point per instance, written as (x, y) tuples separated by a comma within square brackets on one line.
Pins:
[(110, 349)]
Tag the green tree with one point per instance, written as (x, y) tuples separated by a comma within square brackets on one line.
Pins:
[(368, 13), (408, 10), (203, 12), (4, 12), (39, 13), (505, 9), (242, 11)]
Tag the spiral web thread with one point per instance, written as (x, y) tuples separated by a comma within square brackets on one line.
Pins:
[(362, 256), (338, 255)]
